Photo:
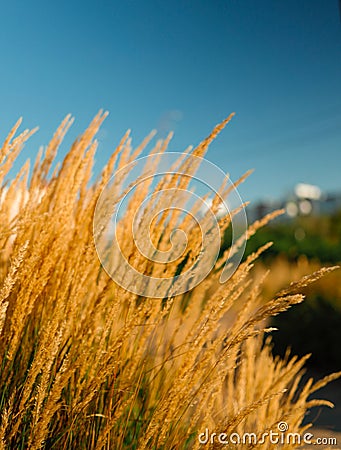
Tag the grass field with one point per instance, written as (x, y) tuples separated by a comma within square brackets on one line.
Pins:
[(86, 364)]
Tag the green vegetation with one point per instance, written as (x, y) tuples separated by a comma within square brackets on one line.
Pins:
[(316, 237)]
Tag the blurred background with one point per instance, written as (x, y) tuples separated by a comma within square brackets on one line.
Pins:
[(184, 66)]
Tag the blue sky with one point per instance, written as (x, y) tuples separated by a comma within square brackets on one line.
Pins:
[(184, 65)]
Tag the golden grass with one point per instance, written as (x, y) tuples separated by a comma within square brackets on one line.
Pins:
[(88, 365), (283, 272)]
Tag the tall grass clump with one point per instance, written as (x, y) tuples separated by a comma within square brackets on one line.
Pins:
[(86, 364)]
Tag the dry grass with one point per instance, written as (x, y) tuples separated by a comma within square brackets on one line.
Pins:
[(88, 365), (283, 272)]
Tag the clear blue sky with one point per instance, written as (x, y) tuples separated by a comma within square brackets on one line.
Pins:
[(184, 65)]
